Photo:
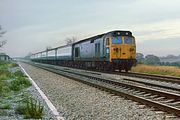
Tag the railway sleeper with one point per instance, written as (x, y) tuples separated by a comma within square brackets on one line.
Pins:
[(141, 93), (159, 98), (148, 94), (152, 97), (169, 101), (175, 103)]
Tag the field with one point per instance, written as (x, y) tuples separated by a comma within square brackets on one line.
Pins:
[(160, 70)]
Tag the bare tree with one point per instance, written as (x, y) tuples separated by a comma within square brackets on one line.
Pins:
[(48, 48), (70, 41), (28, 55), (2, 42)]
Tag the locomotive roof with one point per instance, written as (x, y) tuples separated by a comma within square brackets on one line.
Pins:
[(111, 33)]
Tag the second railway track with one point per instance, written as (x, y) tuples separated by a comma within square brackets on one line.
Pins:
[(161, 100), (152, 77)]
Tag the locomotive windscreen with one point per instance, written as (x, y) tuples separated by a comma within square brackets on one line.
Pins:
[(117, 40), (129, 40)]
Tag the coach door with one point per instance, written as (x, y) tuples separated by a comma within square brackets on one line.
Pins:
[(97, 50), (77, 53)]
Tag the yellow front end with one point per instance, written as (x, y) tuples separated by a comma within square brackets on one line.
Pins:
[(122, 52), (125, 49)]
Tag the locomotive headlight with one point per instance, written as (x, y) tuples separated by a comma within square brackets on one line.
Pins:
[(107, 50)]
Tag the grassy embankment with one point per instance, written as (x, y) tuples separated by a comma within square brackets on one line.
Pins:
[(12, 84), (159, 70)]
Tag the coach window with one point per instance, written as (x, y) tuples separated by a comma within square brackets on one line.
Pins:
[(77, 52), (107, 41)]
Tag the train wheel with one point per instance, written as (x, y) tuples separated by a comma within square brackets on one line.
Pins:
[(112, 69), (126, 69)]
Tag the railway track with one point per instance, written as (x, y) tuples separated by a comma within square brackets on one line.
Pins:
[(161, 100), (152, 77)]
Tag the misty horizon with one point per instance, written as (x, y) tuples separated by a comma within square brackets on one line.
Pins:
[(34, 25)]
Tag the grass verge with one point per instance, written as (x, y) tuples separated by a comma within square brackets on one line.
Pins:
[(30, 108), (159, 70), (12, 83)]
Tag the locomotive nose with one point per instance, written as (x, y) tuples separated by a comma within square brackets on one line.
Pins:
[(123, 52), (127, 52)]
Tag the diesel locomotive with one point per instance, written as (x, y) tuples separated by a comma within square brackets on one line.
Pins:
[(115, 50)]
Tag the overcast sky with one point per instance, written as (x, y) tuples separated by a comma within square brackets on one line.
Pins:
[(32, 25)]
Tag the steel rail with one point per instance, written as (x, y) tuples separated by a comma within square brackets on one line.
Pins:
[(151, 76), (152, 84), (113, 87)]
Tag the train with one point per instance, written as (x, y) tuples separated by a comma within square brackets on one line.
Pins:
[(111, 51)]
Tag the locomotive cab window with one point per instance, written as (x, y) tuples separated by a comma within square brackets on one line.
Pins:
[(117, 40), (129, 40), (107, 41), (77, 52)]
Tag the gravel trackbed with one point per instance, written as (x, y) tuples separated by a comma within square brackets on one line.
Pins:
[(77, 101)]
